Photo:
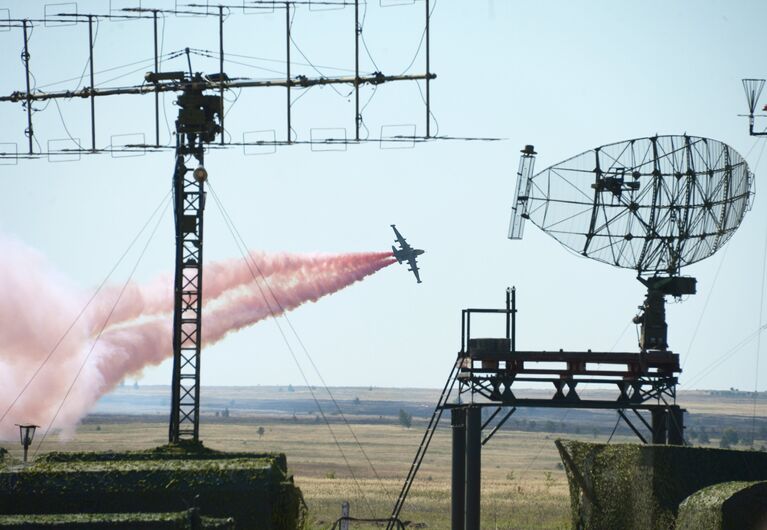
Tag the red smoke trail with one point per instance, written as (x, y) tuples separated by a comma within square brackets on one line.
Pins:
[(39, 305)]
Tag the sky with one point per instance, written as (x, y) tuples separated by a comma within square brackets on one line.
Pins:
[(565, 76)]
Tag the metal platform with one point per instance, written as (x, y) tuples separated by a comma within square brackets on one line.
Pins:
[(485, 373), (487, 370)]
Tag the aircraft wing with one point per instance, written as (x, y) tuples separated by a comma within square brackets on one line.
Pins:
[(401, 240), (414, 268)]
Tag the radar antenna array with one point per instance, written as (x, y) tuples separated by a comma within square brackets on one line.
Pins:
[(519, 211), (651, 204), (199, 126), (753, 89)]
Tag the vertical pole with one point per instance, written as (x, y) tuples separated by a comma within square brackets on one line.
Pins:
[(513, 319), (178, 208), (221, 65), (463, 331), (156, 94), (473, 467), (287, 61), (458, 476), (93, 86), (25, 57), (345, 515), (508, 313), (428, 98), (675, 425), (468, 329), (357, 29), (658, 419)]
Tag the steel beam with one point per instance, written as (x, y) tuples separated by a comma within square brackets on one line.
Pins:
[(659, 426), (473, 467), (156, 94), (675, 425), (28, 96), (176, 86), (93, 83), (458, 473)]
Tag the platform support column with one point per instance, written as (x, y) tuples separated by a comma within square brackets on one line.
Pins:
[(458, 486), (473, 466), (675, 425), (659, 426)]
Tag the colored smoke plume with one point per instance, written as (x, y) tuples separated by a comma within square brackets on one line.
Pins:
[(39, 304)]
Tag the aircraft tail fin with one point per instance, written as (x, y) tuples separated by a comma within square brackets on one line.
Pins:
[(394, 251)]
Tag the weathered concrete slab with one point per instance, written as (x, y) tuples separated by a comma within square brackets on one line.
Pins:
[(632, 486), (253, 489), (725, 506)]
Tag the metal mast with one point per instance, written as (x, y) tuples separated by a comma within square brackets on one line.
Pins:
[(196, 125), (200, 121)]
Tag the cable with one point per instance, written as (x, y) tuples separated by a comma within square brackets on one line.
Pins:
[(211, 55), (243, 251), (688, 353), (88, 61), (216, 55), (64, 124), (101, 331), (732, 351), (82, 311), (292, 16), (295, 100), (233, 231), (431, 114), (143, 67), (759, 335), (614, 429), (338, 407), (420, 43), (370, 98), (303, 346), (162, 96), (617, 341), (232, 104), (362, 37), (126, 65), (540, 450)]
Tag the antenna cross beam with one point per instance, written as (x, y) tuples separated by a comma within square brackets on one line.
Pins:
[(201, 83)]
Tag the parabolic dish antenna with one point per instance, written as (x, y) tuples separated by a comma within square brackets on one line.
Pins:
[(649, 204)]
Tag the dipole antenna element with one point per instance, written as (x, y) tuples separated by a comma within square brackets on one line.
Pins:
[(753, 89), (519, 212)]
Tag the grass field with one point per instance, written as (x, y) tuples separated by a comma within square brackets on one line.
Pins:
[(523, 484)]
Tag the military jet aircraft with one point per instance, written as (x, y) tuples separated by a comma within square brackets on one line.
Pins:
[(406, 253)]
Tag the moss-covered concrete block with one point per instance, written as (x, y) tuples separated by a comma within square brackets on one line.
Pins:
[(187, 520), (632, 486), (253, 489), (725, 506)]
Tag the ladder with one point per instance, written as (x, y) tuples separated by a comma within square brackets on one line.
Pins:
[(425, 441)]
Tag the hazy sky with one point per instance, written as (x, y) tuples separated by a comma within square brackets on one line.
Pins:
[(565, 76)]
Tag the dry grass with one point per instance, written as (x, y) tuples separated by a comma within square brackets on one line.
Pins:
[(522, 487)]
